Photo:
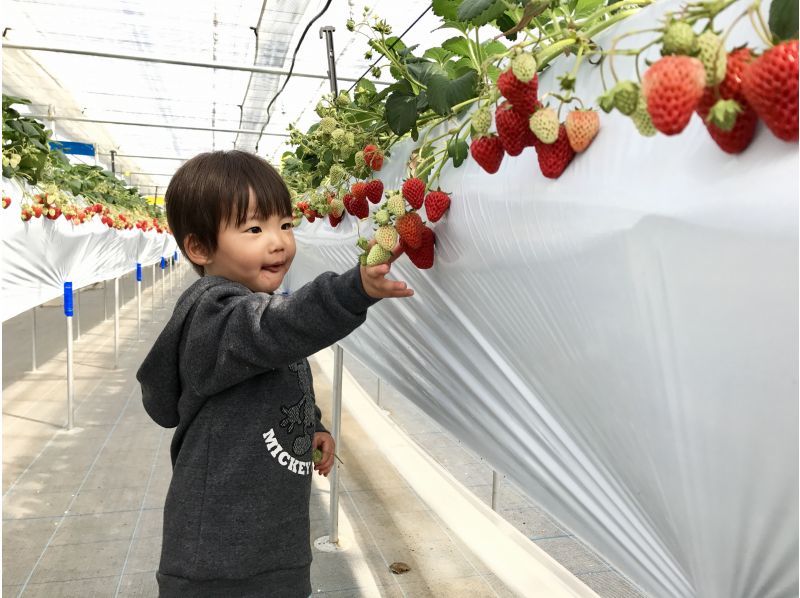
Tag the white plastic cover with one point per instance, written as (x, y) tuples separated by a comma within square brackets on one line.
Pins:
[(40, 255), (621, 342)]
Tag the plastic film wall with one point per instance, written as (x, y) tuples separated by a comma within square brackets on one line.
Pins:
[(621, 342), (40, 255)]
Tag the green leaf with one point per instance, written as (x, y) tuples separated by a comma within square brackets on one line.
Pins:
[(783, 19), (423, 71), (480, 12), (439, 55), (458, 150), (492, 48), (447, 9), (457, 45), (586, 7), (460, 67), (401, 112), (505, 23), (443, 93)]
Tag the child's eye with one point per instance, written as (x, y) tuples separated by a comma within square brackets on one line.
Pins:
[(254, 229), (286, 226)]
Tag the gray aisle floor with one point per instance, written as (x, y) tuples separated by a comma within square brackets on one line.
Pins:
[(82, 509)]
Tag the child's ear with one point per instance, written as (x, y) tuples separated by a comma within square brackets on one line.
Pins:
[(196, 251)]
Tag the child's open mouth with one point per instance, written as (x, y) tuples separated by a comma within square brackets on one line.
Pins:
[(274, 268)]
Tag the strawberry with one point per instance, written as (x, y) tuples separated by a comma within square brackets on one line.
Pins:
[(337, 208), (582, 127), (739, 137), (555, 157), (770, 86), (37, 211), (374, 190), (378, 255), (679, 38), (436, 204), (522, 96), (359, 190), (488, 152), (386, 237), (6, 202), (396, 205), (544, 124), (26, 214), (410, 227), (373, 156), (414, 192), (481, 121), (422, 256), (335, 220), (523, 65), (511, 127), (359, 207), (673, 87)]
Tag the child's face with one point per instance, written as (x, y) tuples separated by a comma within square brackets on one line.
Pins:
[(257, 254)]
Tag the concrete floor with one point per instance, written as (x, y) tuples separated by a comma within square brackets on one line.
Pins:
[(82, 510)]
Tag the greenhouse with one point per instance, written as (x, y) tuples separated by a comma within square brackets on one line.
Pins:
[(422, 299)]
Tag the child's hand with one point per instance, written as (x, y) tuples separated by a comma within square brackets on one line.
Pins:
[(324, 442), (375, 283)]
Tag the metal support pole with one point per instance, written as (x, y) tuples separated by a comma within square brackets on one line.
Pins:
[(327, 32), (378, 398), (495, 489), (105, 300), (33, 342), (113, 164), (338, 359), (138, 302), (68, 312), (122, 291), (116, 323), (78, 316)]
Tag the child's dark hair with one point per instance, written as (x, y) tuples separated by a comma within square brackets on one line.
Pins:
[(213, 189)]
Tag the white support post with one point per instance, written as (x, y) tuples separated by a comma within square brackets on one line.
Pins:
[(33, 341), (116, 323), (138, 302), (105, 300), (495, 489), (338, 359), (68, 312), (78, 316), (378, 398)]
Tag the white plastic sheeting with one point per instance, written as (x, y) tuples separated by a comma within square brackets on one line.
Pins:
[(40, 255), (621, 342)]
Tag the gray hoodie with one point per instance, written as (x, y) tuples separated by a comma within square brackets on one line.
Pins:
[(229, 372)]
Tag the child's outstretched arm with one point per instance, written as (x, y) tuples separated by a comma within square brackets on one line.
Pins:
[(375, 283)]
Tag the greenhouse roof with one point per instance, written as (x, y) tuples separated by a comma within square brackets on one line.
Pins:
[(174, 111)]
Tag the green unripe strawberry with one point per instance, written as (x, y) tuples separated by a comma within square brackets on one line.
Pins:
[(362, 259), (362, 243), (327, 125), (359, 158), (713, 56), (396, 205), (523, 66), (316, 455), (337, 174), (297, 221), (343, 99), (544, 124), (481, 121), (337, 207), (386, 237), (679, 38), (382, 217), (378, 255), (641, 119), (339, 138), (626, 97)]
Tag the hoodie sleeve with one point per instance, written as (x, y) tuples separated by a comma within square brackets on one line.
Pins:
[(235, 334)]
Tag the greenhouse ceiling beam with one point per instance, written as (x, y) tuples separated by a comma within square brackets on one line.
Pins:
[(145, 157), (156, 125), (162, 60)]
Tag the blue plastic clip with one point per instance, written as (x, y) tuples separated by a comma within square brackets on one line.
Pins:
[(68, 311), (175, 256), (139, 272), (163, 263)]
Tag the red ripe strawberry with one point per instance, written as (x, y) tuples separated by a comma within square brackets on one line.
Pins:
[(346, 200), (555, 157), (512, 127), (98, 207), (436, 204), (358, 207), (414, 192), (373, 156), (488, 152), (374, 190), (422, 256), (6, 202), (359, 190), (334, 220), (739, 137), (770, 86), (523, 96), (410, 228), (673, 87), (582, 127), (37, 210)]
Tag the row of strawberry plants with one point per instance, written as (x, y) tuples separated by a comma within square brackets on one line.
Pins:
[(730, 89), (76, 192)]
